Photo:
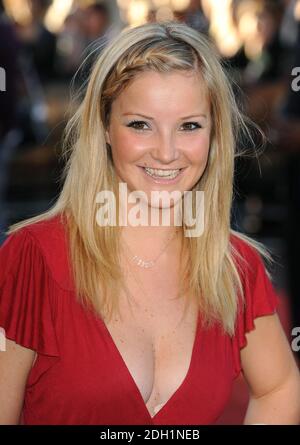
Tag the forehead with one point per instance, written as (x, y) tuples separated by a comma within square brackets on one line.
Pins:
[(178, 91)]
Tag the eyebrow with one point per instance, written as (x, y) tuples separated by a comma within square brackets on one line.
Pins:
[(151, 118)]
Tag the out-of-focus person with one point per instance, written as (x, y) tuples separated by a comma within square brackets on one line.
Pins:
[(262, 77), (258, 26), (268, 25), (71, 42), (39, 44), (96, 21), (97, 31), (195, 17)]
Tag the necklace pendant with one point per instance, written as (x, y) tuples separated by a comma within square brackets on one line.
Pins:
[(142, 263), (148, 264)]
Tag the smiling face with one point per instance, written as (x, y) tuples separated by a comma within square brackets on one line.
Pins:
[(159, 131)]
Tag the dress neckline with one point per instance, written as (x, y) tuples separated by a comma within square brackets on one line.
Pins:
[(129, 377)]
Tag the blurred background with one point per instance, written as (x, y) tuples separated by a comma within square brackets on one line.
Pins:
[(44, 42)]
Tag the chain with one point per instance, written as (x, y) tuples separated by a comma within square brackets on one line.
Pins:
[(147, 264)]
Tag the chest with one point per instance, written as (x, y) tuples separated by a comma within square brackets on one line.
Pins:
[(155, 342)]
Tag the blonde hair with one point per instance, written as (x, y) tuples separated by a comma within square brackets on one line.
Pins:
[(210, 274)]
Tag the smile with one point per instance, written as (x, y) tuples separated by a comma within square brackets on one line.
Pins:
[(157, 173), (166, 177)]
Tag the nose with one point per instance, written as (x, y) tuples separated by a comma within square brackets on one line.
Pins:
[(165, 150)]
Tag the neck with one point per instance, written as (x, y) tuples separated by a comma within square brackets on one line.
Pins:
[(148, 239)]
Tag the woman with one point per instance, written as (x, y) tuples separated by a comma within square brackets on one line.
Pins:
[(140, 324)]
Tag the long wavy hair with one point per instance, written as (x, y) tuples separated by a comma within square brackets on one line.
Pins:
[(210, 274)]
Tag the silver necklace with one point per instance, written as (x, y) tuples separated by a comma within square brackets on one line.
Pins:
[(147, 264)]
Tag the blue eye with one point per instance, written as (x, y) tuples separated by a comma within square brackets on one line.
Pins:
[(193, 123), (137, 125)]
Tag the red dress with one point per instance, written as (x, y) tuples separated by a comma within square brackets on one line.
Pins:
[(79, 376)]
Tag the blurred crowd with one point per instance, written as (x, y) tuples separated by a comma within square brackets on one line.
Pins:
[(261, 58), (267, 35)]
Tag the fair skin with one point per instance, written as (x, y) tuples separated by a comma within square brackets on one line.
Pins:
[(166, 139), (272, 375), (168, 142)]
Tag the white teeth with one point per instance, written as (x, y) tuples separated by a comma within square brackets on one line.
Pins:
[(168, 174)]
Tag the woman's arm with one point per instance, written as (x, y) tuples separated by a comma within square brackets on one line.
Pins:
[(15, 364), (272, 375)]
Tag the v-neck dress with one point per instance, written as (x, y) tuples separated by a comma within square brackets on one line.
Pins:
[(79, 376)]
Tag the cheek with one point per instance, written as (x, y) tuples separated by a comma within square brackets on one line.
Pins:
[(127, 147), (198, 150)]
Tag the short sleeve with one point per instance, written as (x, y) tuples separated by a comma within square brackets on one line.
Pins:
[(26, 306), (260, 298)]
